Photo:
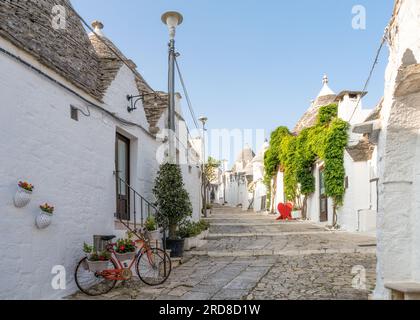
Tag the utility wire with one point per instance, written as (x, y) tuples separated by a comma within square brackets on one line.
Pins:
[(378, 53), (135, 71), (187, 97)]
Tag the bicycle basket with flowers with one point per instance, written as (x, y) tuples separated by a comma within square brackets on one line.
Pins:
[(125, 249), (96, 261)]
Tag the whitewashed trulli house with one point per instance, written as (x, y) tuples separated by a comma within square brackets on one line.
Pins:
[(359, 210), (238, 180), (398, 234), (65, 127), (257, 186)]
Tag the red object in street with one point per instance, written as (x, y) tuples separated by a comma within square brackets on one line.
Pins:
[(285, 211)]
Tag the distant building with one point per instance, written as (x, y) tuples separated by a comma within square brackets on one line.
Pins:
[(238, 180)]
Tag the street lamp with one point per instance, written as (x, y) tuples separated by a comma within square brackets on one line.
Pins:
[(204, 120), (172, 20)]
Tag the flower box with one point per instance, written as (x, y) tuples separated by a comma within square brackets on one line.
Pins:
[(195, 242), (43, 220), (154, 235), (22, 196), (190, 243), (125, 256), (97, 266)]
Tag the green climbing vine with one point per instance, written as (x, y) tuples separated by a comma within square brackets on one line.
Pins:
[(296, 155), (271, 160)]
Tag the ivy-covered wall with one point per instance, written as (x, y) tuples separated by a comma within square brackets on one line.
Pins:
[(296, 156)]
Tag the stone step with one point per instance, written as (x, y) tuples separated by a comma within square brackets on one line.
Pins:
[(249, 224), (279, 253), (216, 236)]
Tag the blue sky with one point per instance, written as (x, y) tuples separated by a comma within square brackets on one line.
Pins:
[(252, 64)]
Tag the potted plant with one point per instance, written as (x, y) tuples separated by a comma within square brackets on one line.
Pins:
[(44, 218), (96, 262), (23, 194), (193, 233), (173, 203), (297, 213), (125, 249), (152, 229), (205, 228), (189, 232), (209, 207)]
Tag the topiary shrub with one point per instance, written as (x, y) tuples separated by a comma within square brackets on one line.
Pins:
[(172, 199)]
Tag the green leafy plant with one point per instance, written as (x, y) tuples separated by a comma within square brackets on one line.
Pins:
[(327, 113), (172, 199), (189, 229), (151, 224), (125, 246), (102, 256), (335, 172), (95, 256), (296, 156), (26, 186), (87, 248), (271, 158), (47, 208)]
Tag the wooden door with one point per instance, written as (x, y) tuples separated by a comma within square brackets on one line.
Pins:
[(323, 199), (122, 164)]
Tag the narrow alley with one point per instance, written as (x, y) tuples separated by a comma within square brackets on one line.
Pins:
[(254, 257)]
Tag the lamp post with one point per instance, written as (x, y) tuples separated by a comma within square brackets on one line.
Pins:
[(224, 180), (172, 19), (204, 120)]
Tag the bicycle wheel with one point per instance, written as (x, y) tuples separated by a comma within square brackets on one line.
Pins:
[(154, 267), (91, 283)]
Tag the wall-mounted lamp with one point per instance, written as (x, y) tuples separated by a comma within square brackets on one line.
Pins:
[(135, 99)]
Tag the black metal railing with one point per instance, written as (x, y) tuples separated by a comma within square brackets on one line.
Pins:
[(141, 208)]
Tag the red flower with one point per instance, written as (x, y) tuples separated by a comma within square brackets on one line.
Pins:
[(122, 248)]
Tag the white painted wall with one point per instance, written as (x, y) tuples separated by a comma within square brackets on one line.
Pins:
[(71, 164), (357, 196), (279, 196), (351, 109), (399, 153)]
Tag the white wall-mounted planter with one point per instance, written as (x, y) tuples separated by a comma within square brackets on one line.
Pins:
[(22, 198), (43, 220)]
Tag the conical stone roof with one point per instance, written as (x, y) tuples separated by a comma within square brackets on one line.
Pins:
[(325, 97)]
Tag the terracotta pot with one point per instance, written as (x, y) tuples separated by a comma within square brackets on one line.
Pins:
[(43, 220), (22, 197)]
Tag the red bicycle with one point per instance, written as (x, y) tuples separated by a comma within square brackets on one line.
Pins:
[(153, 267)]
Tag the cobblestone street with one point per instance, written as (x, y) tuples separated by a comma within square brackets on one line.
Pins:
[(251, 256)]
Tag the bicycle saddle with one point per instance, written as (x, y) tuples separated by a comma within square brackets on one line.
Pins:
[(107, 238)]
